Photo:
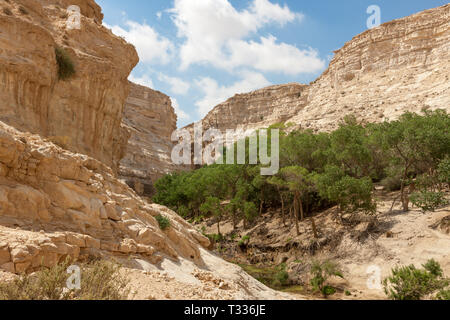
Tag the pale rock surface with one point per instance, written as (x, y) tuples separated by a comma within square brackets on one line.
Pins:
[(403, 65), (83, 113), (151, 119)]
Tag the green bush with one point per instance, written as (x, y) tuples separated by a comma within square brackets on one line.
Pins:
[(164, 222), (215, 238), (444, 170), (428, 200), (281, 277), (321, 272), (100, 280), (66, 68), (244, 241), (7, 11), (410, 283), (443, 295)]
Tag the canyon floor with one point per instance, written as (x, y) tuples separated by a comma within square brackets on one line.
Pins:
[(389, 239)]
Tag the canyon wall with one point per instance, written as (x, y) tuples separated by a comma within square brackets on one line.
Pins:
[(403, 65), (82, 113), (60, 146), (151, 119)]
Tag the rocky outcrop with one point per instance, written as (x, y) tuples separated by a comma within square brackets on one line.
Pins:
[(151, 119), (403, 65), (258, 109), (71, 204), (56, 204), (82, 113)]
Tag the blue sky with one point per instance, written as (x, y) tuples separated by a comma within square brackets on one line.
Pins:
[(201, 52)]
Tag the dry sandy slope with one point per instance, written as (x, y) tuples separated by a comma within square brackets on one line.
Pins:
[(217, 280), (415, 240)]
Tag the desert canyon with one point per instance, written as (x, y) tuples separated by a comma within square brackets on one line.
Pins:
[(79, 158)]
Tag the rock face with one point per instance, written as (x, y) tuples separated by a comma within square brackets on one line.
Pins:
[(403, 65), (60, 146), (56, 204), (151, 119), (82, 113), (71, 204)]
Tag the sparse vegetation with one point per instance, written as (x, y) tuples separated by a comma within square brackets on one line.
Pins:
[(100, 280), (7, 11), (244, 241), (410, 283), (164, 222), (428, 200), (321, 272), (66, 67), (275, 277)]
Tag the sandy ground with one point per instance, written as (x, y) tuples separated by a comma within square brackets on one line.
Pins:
[(399, 239), (217, 280)]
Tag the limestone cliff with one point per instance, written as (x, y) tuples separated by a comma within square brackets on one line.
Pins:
[(56, 204), (82, 113), (403, 65), (151, 119)]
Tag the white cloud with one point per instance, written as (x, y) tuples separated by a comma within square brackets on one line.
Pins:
[(180, 113), (215, 94), (270, 56), (178, 86), (151, 47), (145, 80), (215, 33)]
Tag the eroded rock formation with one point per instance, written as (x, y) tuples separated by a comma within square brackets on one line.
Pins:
[(60, 145), (83, 113), (403, 65), (151, 119), (71, 204)]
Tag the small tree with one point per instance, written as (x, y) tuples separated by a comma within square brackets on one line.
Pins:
[(349, 193), (299, 182), (213, 206)]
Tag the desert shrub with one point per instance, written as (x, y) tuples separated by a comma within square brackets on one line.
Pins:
[(66, 67), (244, 241), (100, 280), (443, 295), (428, 200), (444, 170), (215, 238), (410, 283), (392, 183), (164, 222), (321, 272), (281, 277)]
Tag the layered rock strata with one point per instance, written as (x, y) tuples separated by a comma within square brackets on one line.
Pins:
[(82, 113), (150, 119), (402, 65)]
